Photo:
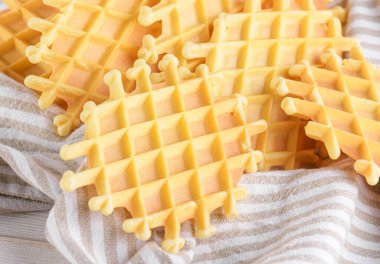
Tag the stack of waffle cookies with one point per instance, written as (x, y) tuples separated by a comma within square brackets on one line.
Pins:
[(180, 97)]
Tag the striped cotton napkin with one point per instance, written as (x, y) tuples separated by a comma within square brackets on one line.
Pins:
[(30, 165), (320, 216)]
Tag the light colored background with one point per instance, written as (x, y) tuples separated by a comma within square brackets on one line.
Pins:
[(2, 5), (22, 239)]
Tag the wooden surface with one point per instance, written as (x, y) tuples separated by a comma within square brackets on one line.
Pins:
[(22, 239)]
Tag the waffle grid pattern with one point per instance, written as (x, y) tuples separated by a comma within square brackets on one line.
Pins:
[(276, 39), (198, 149), (182, 20), (83, 43), (15, 37), (343, 100)]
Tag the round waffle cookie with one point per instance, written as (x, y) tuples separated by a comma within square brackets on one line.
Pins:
[(166, 153)]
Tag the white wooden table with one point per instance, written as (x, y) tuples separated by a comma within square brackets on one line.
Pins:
[(22, 239)]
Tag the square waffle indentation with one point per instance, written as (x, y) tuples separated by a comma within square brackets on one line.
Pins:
[(262, 52), (14, 22), (120, 177), (227, 120), (232, 143), (140, 109), (360, 88), (23, 68), (179, 158), (128, 6), (343, 121), (288, 53), (29, 37), (281, 137), (207, 150), (291, 26), (182, 190), (66, 44), (97, 51), (11, 52), (196, 98), (122, 58), (145, 137), (202, 122), (366, 109), (262, 26), (254, 82), (113, 26), (117, 149), (335, 99), (78, 76), (149, 166), (167, 102), (213, 184), (82, 17), (114, 121), (169, 129), (38, 8)]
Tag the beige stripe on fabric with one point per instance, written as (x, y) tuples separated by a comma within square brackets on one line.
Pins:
[(280, 234), (84, 220), (68, 238), (12, 204)]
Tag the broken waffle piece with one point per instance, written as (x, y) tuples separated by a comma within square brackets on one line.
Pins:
[(15, 37), (82, 43), (252, 48), (182, 20), (342, 98), (166, 154)]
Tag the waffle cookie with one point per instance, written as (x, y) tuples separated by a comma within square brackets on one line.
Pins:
[(15, 36), (182, 20), (252, 48), (166, 154), (88, 39), (342, 99)]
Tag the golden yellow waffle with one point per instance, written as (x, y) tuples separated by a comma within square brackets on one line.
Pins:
[(182, 20), (252, 48), (166, 154), (343, 100), (15, 36), (88, 39)]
